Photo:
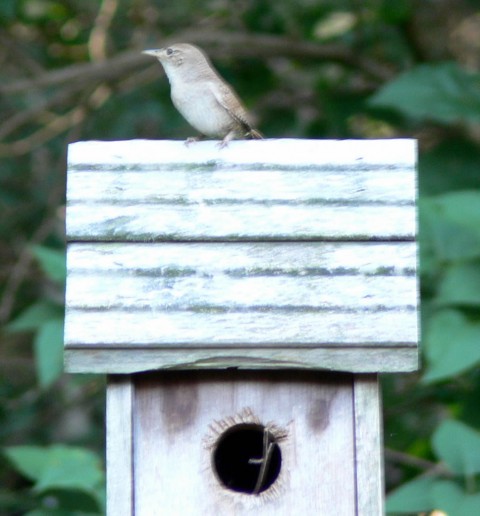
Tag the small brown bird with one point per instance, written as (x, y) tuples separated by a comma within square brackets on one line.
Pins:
[(204, 99)]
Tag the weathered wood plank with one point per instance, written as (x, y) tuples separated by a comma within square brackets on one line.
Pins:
[(148, 222), (158, 191), (244, 277), (240, 329), (119, 421), (230, 293), (368, 445), (357, 359), (264, 249), (239, 296), (369, 259), (180, 418), (204, 185), (362, 154)]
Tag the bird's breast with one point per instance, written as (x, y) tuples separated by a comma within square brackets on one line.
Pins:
[(199, 107)]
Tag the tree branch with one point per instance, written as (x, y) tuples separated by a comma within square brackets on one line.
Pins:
[(97, 42), (21, 268), (219, 44)]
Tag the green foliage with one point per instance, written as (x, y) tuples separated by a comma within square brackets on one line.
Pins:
[(52, 262), (64, 478), (451, 345), (438, 92), (48, 345), (45, 319), (7, 11), (450, 264), (447, 229), (423, 494), (33, 317), (453, 500), (458, 446), (452, 165), (413, 497)]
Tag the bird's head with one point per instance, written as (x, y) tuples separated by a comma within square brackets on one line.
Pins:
[(178, 54)]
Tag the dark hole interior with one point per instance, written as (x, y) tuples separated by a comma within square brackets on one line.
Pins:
[(247, 458)]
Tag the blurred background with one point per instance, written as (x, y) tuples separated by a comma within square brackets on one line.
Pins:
[(307, 69)]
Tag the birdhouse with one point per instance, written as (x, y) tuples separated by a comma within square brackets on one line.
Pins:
[(243, 302)]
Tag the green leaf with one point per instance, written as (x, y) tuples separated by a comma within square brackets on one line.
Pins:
[(439, 92), (451, 499), (73, 501), (52, 262), (460, 285), (462, 207), (71, 477), (35, 316), (70, 468), (450, 226), (57, 466), (28, 460), (48, 345), (458, 446), (7, 10), (414, 496), (452, 165), (451, 345)]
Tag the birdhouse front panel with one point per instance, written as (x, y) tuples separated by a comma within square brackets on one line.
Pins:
[(296, 254)]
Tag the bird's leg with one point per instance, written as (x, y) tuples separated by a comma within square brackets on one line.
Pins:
[(228, 137)]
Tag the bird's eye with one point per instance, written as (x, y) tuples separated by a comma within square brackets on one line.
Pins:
[(169, 51)]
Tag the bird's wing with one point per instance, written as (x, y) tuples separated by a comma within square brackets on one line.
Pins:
[(229, 101)]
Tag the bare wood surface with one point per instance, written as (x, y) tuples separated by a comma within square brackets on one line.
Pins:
[(270, 189), (180, 417), (368, 445), (119, 429), (208, 183), (275, 253), (98, 359), (114, 222), (220, 300), (389, 154)]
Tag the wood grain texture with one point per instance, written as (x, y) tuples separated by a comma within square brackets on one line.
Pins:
[(276, 253), (211, 279), (363, 154), (157, 191), (136, 222), (239, 296), (368, 445), (119, 419), (98, 359), (209, 184), (180, 417)]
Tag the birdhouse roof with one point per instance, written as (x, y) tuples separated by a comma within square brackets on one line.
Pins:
[(264, 254)]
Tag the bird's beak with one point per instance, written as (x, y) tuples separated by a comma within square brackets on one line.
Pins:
[(154, 53)]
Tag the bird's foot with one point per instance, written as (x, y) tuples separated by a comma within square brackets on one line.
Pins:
[(228, 137), (192, 139)]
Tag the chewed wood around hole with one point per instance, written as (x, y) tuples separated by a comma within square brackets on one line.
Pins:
[(246, 455)]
